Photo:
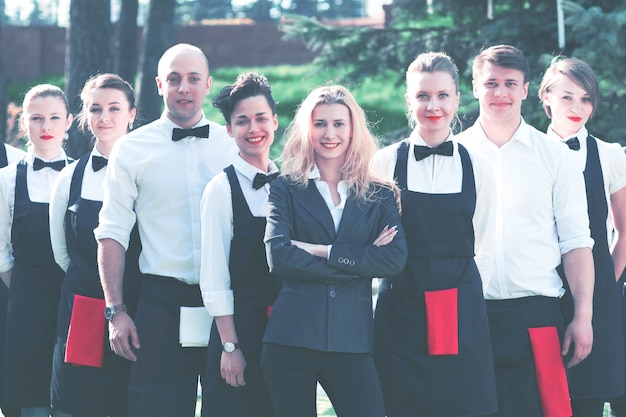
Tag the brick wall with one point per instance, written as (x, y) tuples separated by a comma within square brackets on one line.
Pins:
[(28, 52)]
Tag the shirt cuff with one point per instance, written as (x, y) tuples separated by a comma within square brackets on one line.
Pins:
[(571, 244), (6, 265), (108, 234), (219, 303)]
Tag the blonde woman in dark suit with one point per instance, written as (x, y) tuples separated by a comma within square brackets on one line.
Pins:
[(332, 227)]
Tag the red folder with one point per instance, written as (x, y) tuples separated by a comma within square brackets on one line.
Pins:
[(550, 369), (442, 322), (85, 338)]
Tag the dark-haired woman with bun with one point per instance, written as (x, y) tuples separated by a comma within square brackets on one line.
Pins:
[(236, 285)]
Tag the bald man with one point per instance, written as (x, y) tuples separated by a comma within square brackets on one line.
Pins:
[(156, 176)]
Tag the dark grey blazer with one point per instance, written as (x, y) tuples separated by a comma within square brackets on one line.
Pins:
[(326, 305)]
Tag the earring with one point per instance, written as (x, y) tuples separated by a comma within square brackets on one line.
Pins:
[(130, 125), (66, 136)]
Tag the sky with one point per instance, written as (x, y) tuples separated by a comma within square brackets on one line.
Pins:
[(23, 7)]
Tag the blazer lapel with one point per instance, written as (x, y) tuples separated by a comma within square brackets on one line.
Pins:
[(352, 217), (310, 200)]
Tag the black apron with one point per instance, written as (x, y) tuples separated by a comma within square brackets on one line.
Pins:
[(254, 291), (601, 374), (4, 301), (4, 159), (440, 238), (85, 390), (33, 302)]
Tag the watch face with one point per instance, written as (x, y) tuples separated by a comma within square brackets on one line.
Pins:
[(109, 313), (229, 347)]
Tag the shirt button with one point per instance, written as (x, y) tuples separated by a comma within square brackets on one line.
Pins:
[(332, 293)]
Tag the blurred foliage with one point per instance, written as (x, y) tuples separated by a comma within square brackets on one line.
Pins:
[(595, 32), (381, 98)]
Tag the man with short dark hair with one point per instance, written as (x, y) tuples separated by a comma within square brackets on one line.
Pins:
[(541, 223)]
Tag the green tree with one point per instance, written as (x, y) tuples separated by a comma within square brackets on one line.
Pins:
[(598, 36), (195, 11), (262, 10), (595, 29)]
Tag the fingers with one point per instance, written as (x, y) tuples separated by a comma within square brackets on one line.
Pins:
[(567, 341), (123, 333), (121, 347), (386, 236), (580, 353), (134, 337), (232, 368), (578, 340), (235, 380)]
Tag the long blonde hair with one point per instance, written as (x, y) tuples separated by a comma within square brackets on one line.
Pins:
[(298, 157)]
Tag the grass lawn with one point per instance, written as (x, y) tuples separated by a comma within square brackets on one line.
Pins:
[(324, 408)]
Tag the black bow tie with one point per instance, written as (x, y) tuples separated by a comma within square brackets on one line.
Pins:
[(422, 152), (261, 179), (573, 144), (198, 132), (98, 162), (56, 165)]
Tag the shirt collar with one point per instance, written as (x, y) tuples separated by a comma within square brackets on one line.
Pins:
[(416, 139), (521, 134), (169, 125), (249, 171), (581, 135), (96, 152), (30, 156), (315, 173)]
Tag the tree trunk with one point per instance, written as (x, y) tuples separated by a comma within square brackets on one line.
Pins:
[(159, 34), (127, 41), (88, 53)]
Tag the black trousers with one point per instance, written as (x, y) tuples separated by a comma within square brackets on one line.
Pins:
[(349, 379), (164, 379)]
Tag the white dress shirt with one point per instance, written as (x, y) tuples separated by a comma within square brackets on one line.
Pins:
[(13, 154), (612, 161), (541, 210), (39, 188), (159, 183), (216, 219), (336, 211), (91, 190), (439, 174)]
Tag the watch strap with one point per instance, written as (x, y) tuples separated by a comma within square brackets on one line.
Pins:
[(111, 311), (234, 345), (118, 308)]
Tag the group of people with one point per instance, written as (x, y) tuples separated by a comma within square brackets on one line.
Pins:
[(499, 252)]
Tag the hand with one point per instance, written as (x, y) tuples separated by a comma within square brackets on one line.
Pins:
[(579, 338), (232, 366), (123, 333), (386, 236), (320, 251), (302, 245)]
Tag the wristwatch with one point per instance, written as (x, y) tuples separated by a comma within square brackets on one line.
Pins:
[(229, 347), (111, 311)]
